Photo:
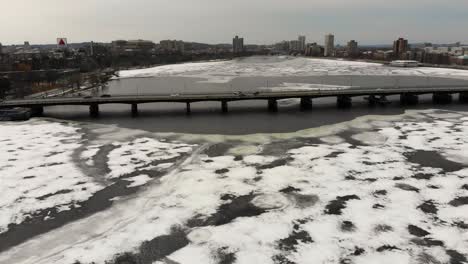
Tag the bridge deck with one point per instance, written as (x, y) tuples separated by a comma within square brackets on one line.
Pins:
[(225, 96)]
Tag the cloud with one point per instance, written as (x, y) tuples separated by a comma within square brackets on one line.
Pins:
[(265, 21)]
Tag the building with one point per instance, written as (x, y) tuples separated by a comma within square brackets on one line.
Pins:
[(172, 46), (26, 45), (400, 47), (129, 46), (438, 58), (462, 60), (329, 45), (282, 46), (237, 45), (294, 45), (1, 48), (314, 50), (25, 52), (302, 43), (352, 49), (386, 55)]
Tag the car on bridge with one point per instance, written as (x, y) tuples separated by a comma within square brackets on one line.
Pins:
[(238, 93)]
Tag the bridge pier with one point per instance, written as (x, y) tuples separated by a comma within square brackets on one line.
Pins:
[(344, 101), (463, 97), (224, 106), (272, 105), (94, 110), (306, 103), (187, 108), (37, 111), (409, 99), (134, 109), (442, 98)]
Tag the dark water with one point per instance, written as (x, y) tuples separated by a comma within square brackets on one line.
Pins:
[(244, 117)]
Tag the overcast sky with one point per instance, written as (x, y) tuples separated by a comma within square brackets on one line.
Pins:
[(216, 21)]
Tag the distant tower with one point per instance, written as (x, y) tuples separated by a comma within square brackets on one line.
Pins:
[(26, 45), (329, 45), (92, 48), (400, 47), (352, 48), (237, 44), (302, 43)]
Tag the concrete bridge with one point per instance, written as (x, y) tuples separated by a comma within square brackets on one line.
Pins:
[(375, 95)]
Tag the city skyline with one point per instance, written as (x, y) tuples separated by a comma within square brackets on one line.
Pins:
[(209, 21), (319, 40)]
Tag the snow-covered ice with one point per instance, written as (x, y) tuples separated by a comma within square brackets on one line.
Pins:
[(372, 190), (47, 167), (224, 71), (37, 172)]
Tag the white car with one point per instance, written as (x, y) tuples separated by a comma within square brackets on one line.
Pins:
[(239, 93)]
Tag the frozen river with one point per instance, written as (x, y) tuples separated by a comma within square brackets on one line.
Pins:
[(253, 74)]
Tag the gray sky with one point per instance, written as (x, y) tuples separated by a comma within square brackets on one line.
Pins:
[(216, 21)]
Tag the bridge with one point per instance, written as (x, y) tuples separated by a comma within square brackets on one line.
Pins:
[(375, 95)]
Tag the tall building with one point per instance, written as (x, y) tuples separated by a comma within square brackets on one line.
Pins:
[(302, 43), (329, 45), (400, 47), (352, 48), (1, 48), (237, 44)]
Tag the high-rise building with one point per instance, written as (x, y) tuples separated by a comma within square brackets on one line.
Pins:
[(302, 43), (329, 45), (1, 48), (237, 44), (352, 48), (400, 47)]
